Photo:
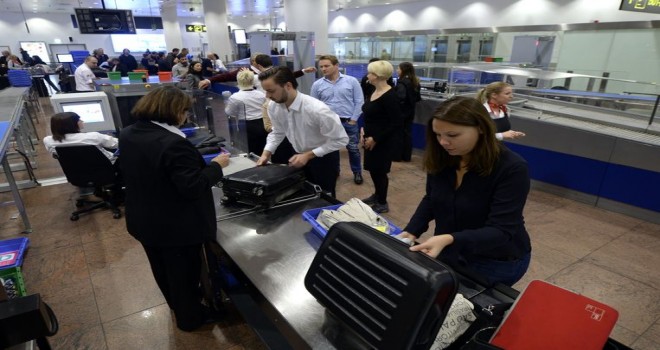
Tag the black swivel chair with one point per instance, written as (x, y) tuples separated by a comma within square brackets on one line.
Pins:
[(87, 166)]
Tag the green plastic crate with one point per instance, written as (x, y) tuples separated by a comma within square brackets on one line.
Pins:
[(136, 76), (115, 75), (14, 275)]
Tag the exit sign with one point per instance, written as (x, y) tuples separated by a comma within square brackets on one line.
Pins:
[(195, 28)]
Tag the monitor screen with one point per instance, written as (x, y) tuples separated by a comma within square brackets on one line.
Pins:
[(64, 58), (89, 111), (138, 42), (239, 36)]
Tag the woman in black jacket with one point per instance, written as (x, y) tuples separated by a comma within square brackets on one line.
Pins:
[(169, 203), (407, 90), (476, 190)]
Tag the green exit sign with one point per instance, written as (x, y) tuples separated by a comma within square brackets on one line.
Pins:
[(195, 28)]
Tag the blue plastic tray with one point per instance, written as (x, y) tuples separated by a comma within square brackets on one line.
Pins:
[(209, 157), (12, 252), (311, 215)]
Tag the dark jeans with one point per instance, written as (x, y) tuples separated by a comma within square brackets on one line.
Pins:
[(177, 272), (323, 171), (505, 272), (353, 132)]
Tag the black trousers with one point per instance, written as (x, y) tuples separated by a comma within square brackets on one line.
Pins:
[(177, 272), (283, 152), (381, 184), (323, 171), (256, 135)]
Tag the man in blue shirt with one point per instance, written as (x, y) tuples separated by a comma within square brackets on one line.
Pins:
[(343, 94)]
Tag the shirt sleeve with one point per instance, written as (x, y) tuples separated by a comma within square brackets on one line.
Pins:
[(108, 141), (232, 107), (419, 222), (315, 90), (331, 128), (277, 133), (183, 166), (358, 99)]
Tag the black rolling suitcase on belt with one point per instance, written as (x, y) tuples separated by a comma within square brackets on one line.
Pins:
[(263, 185), (377, 291)]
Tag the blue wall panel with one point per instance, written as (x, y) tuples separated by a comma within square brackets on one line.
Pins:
[(577, 173), (419, 136), (633, 186)]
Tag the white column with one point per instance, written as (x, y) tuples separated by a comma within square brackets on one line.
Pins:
[(215, 18), (309, 16), (171, 27)]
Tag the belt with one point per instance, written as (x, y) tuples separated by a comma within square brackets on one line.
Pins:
[(345, 120)]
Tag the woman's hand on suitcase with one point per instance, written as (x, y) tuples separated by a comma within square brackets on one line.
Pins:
[(434, 245), (222, 159)]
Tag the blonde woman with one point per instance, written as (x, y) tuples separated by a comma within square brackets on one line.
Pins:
[(247, 104), (495, 96)]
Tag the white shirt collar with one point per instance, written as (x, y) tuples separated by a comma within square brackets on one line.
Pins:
[(170, 128)]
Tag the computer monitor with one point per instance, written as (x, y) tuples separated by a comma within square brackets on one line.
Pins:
[(92, 107), (64, 58)]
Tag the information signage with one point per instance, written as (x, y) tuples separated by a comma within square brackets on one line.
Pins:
[(195, 28), (648, 6)]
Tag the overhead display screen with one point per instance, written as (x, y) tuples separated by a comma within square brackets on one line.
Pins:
[(648, 6)]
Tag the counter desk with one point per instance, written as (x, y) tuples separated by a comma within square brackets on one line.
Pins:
[(269, 253), (11, 118)]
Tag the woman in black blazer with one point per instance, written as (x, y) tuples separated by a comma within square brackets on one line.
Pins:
[(169, 203)]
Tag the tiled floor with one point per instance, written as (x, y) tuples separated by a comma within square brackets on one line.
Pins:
[(97, 279)]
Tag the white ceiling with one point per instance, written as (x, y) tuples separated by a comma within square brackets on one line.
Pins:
[(243, 8)]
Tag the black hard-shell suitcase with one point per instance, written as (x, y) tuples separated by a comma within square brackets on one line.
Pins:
[(263, 185), (388, 296)]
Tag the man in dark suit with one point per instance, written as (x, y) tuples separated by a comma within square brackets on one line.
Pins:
[(169, 203)]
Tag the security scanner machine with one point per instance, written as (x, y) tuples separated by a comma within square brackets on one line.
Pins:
[(302, 50)]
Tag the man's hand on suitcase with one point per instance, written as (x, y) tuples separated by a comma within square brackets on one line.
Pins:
[(300, 160), (222, 159)]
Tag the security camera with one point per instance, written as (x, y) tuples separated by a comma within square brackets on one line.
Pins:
[(191, 9)]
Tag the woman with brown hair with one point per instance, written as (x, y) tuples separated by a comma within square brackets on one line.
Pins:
[(65, 129), (408, 92), (476, 190), (169, 203)]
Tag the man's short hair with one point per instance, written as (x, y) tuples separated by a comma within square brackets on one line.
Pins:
[(263, 60), (281, 75), (333, 59)]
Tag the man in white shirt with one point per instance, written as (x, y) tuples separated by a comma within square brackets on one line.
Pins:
[(314, 130), (84, 75)]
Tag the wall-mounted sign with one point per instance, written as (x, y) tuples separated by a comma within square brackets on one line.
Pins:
[(195, 28), (648, 6)]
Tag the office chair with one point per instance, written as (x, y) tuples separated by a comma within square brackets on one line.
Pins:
[(86, 166)]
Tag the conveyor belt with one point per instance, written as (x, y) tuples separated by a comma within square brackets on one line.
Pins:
[(594, 126), (627, 128)]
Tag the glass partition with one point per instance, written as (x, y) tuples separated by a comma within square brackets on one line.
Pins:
[(208, 114)]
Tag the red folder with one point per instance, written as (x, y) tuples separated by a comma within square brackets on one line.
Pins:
[(546, 316)]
